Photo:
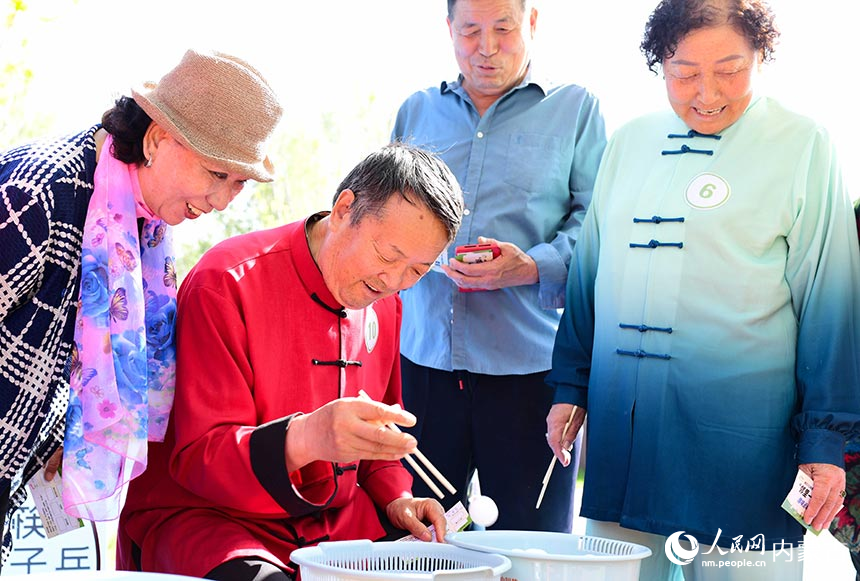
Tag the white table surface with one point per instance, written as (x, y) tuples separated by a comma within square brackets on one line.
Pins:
[(100, 576)]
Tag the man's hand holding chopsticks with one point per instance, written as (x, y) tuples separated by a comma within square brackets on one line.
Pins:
[(346, 430)]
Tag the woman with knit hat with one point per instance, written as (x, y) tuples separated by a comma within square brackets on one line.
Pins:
[(87, 279)]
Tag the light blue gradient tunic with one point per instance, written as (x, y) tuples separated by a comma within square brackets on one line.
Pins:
[(713, 312)]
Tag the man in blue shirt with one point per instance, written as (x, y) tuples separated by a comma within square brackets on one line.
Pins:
[(526, 152)]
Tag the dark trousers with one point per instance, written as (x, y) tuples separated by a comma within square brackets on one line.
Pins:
[(855, 558), (250, 569), (495, 425)]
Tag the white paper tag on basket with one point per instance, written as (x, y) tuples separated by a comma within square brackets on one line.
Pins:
[(48, 498), (457, 519), (798, 498)]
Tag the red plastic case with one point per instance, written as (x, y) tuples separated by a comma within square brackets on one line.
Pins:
[(472, 253)]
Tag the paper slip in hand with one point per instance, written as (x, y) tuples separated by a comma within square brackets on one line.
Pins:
[(48, 498), (442, 259), (798, 499), (457, 519)]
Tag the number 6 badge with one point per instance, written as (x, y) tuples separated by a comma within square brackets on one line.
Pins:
[(707, 191)]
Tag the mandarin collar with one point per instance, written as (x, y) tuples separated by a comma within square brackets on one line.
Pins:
[(309, 272)]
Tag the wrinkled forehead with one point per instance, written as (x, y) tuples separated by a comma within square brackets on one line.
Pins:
[(512, 8)]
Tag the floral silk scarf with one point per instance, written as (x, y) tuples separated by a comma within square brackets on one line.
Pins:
[(123, 357), (846, 526)]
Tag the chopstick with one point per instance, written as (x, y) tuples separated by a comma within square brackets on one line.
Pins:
[(552, 462), (424, 460)]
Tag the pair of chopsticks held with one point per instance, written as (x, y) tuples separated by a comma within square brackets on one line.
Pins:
[(415, 466), (552, 462)]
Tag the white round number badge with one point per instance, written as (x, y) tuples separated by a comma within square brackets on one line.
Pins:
[(371, 328), (707, 191)]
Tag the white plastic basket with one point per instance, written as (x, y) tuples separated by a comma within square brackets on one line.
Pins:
[(536, 556), (363, 560)]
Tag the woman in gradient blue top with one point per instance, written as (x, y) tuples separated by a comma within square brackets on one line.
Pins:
[(712, 321)]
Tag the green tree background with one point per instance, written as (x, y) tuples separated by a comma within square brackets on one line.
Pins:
[(15, 122), (310, 162)]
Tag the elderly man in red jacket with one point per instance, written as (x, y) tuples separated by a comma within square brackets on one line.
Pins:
[(268, 447)]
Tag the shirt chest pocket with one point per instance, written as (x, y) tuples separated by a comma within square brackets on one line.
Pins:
[(532, 162)]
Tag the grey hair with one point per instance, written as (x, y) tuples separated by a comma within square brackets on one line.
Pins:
[(452, 3), (416, 175)]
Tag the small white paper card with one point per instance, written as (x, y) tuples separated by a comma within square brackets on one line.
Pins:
[(442, 259), (798, 498), (48, 498), (457, 519)]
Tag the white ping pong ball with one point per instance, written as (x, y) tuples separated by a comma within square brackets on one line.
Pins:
[(483, 510)]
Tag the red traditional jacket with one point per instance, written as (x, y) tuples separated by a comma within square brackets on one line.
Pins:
[(261, 338)]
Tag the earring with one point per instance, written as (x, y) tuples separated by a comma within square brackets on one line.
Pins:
[(148, 162)]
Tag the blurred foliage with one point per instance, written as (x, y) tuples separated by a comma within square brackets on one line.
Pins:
[(311, 158), (19, 18), (312, 153), (15, 77)]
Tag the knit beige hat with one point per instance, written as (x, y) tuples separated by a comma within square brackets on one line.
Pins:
[(220, 107)]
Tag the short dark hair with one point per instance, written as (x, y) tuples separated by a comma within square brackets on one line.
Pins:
[(127, 122), (419, 176), (672, 20), (451, 4)]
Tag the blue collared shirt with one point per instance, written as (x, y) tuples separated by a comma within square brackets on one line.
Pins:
[(527, 169)]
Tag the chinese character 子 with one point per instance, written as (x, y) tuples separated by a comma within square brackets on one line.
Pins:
[(31, 562)]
